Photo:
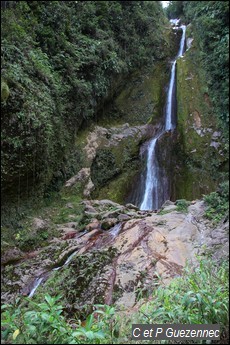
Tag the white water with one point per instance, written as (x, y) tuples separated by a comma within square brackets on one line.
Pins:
[(70, 258), (114, 231), (38, 281), (169, 121), (182, 42), (36, 285), (152, 183)]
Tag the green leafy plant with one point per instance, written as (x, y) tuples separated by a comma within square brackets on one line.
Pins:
[(218, 203), (44, 323), (199, 296), (182, 205), (41, 324)]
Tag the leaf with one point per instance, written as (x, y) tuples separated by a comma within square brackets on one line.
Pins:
[(15, 334), (49, 300), (89, 321)]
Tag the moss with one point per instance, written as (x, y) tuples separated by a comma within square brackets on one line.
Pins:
[(195, 113), (195, 158), (113, 169), (118, 189), (142, 100), (76, 282), (5, 92), (104, 167)]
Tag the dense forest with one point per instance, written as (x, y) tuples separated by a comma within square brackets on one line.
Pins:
[(83, 90), (61, 62)]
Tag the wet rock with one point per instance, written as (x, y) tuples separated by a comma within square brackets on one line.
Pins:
[(133, 214), (167, 203), (131, 206), (82, 175), (69, 233), (216, 135), (90, 208), (189, 41), (95, 224), (123, 217), (106, 202), (108, 223), (113, 214), (215, 144), (170, 208), (111, 265), (88, 188)]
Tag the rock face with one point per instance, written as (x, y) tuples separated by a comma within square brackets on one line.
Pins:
[(199, 145), (110, 153), (110, 147), (136, 252)]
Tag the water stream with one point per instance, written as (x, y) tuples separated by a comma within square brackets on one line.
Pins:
[(153, 180), (38, 281), (36, 284), (103, 239)]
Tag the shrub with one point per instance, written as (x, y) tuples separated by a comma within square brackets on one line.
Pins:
[(43, 323), (182, 205), (218, 203), (200, 296)]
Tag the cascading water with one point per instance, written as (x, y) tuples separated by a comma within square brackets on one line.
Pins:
[(182, 42), (169, 125), (153, 185), (109, 237)]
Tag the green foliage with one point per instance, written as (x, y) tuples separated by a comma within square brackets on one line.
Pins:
[(5, 92), (59, 60), (218, 203), (76, 282), (175, 9), (43, 323), (182, 205), (200, 296)]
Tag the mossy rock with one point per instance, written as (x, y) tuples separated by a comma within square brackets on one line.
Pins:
[(5, 91), (194, 157), (119, 188), (142, 100), (85, 273)]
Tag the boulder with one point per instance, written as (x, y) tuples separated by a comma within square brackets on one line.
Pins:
[(95, 224), (40, 224), (11, 255), (123, 217), (132, 207), (108, 223)]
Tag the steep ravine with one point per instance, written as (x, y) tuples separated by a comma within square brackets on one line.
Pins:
[(188, 155), (108, 252)]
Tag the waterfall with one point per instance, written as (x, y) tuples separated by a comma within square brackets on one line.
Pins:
[(36, 284), (169, 120), (153, 183), (182, 42)]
